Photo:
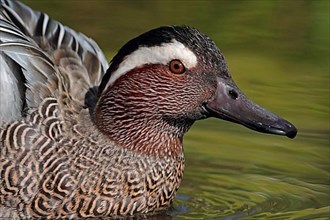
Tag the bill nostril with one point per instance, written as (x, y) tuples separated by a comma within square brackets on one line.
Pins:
[(233, 94)]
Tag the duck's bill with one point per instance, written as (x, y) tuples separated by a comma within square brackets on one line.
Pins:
[(231, 104)]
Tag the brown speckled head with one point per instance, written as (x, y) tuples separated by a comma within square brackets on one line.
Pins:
[(144, 103), (161, 82)]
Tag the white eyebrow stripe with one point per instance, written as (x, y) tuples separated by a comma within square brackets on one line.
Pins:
[(162, 54)]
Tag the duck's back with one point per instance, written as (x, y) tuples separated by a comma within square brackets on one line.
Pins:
[(46, 70), (35, 51)]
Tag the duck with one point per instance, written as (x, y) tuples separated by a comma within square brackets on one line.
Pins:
[(83, 138)]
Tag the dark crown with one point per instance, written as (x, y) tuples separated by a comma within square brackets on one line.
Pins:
[(199, 43)]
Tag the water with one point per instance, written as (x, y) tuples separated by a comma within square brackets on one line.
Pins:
[(278, 54)]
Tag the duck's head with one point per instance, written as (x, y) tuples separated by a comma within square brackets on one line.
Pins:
[(162, 81)]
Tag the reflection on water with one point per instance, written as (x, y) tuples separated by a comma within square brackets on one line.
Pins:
[(233, 173), (278, 53)]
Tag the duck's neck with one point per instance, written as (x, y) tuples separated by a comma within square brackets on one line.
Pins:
[(135, 125)]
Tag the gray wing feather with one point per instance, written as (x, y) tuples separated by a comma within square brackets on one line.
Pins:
[(34, 52)]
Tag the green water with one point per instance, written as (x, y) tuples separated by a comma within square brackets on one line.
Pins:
[(278, 54)]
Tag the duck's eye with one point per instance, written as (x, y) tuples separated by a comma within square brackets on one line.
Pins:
[(177, 67)]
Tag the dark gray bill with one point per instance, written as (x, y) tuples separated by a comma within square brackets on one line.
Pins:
[(231, 104)]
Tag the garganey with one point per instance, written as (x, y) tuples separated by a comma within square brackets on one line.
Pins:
[(81, 138)]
